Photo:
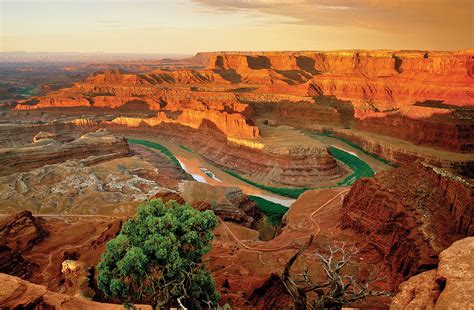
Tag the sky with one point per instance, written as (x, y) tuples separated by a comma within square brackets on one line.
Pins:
[(189, 26)]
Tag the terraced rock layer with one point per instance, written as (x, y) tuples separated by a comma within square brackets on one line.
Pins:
[(421, 96), (384, 79), (297, 166), (18, 293), (12, 135), (50, 151)]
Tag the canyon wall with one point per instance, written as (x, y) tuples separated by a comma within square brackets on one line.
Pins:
[(423, 97), (50, 151), (296, 166), (12, 135), (409, 215), (385, 79), (423, 125)]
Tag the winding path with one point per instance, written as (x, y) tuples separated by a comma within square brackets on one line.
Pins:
[(286, 244)]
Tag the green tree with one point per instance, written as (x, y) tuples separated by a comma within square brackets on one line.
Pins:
[(157, 258)]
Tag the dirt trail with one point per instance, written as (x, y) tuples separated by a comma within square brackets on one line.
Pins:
[(285, 245)]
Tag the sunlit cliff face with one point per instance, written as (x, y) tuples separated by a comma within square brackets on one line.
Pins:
[(188, 26)]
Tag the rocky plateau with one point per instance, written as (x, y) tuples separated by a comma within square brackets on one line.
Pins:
[(371, 149)]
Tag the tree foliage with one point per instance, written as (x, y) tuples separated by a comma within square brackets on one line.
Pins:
[(157, 257)]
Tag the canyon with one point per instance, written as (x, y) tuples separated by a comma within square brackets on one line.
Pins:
[(371, 149)]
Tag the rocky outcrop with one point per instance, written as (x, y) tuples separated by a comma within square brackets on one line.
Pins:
[(18, 234), (50, 151), (231, 124), (229, 203), (12, 263), (423, 125), (449, 286), (43, 135), (22, 231), (55, 102), (116, 186), (12, 135), (409, 215), (77, 277), (272, 294), (17, 293)]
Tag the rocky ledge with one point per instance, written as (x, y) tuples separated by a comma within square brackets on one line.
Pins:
[(450, 286), (19, 233), (20, 294), (409, 215), (49, 151), (229, 203)]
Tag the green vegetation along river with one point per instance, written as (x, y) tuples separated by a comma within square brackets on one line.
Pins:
[(273, 201)]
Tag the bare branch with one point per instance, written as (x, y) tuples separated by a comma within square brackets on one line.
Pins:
[(181, 304), (338, 290)]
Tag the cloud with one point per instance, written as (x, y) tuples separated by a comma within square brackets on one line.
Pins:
[(386, 15)]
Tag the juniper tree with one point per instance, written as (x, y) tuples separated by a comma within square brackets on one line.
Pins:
[(157, 258)]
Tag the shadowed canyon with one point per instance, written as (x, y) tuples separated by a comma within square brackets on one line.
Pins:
[(372, 150)]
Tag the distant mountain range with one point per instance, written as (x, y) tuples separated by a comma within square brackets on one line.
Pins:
[(21, 56)]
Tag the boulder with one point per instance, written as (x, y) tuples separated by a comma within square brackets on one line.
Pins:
[(450, 286)]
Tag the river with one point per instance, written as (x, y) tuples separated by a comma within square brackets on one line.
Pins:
[(203, 171)]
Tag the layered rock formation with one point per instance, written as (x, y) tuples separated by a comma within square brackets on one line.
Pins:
[(12, 135), (44, 262), (385, 79), (409, 215), (426, 93), (19, 233), (281, 156), (229, 203), (49, 151), (402, 152), (233, 124), (449, 286), (22, 231), (73, 187), (12, 263), (424, 125)]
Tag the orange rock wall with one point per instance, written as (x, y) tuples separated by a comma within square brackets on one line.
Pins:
[(384, 79), (370, 90), (421, 125)]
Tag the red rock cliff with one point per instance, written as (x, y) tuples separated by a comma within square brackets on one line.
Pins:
[(409, 215)]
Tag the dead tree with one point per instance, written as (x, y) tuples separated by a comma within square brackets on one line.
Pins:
[(338, 290)]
